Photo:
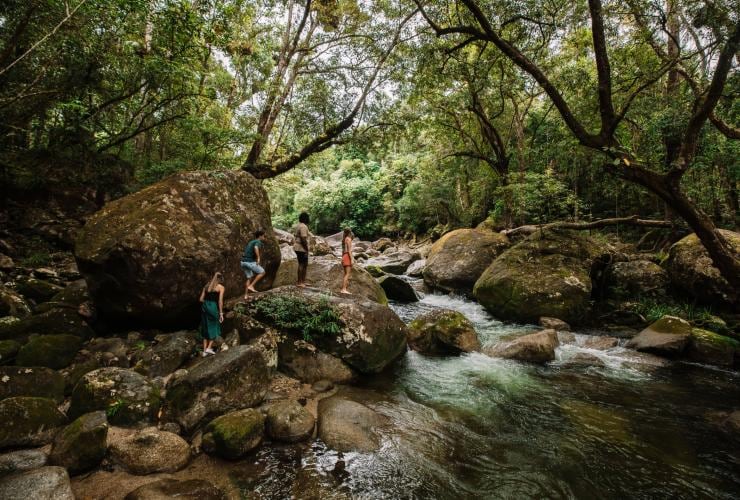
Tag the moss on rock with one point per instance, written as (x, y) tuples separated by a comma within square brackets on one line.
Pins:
[(235, 434), (31, 381), (442, 331), (29, 421), (712, 348), (53, 351), (8, 351), (82, 444)]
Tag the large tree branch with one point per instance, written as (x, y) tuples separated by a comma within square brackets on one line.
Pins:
[(603, 70), (633, 220)]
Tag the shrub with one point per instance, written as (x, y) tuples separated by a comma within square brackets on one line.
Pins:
[(298, 315)]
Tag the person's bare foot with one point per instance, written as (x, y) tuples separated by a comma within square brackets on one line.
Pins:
[(252, 289), (301, 285), (346, 292)]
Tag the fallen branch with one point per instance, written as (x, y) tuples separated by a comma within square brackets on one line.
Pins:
[(633, 220)]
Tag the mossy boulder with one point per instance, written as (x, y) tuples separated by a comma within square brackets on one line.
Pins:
[(370, 336), (36, 289), (712, 348), (34, 381), (442, 331), (149, 451), (534, 348), (326, 272), (547, 274), (54, 351), (691, 270), (375, 271), (396, 288), (71, 297), (667, 337), (144, 256), (8, 350), (82, 444), (460, 257), (235, 434), (289, 421), (29, 421), (59, 321), (636, 278), (128, 398), (231, 380)]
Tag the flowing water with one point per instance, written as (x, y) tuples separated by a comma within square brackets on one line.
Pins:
[(472, 426)]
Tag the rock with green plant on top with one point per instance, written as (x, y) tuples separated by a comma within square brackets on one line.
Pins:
[(29, 421), (36, 289), (534, 348), (364, 334), (142, 254), (53, 351), (231, 380), (12, 304), (326, 273), (442, 331), (547, 274), (8, 351), (711, 348), (58, 321), (234, 434), (195, 489), (149, 451), (44, 483), (397, 288), (128, 398), (81, 445), (170, 352), (289, 421), (691, 270), (636, 278), (34, 381), (460, 257), (302, 360), (667, 337), (20, 460)]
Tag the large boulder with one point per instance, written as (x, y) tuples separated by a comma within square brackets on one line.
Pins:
[(82, 444), (302, 360), (458, 258), (165, 489), (235, 434), (326, 273), (54, 351), (171, 351), (547, 274), (289, 421), (150, 450), (442, 331), (667, 337), (37, 381), (396, 288), (712, 348), (691, 270), (535, 348), (231, 380), (394, 262), (364, 334), (29, 421), (44, 483), (127, 397), (636, 278), (58, 321), (346, 425), (146, 255)]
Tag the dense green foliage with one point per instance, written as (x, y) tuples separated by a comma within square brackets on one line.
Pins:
[(294, 314)]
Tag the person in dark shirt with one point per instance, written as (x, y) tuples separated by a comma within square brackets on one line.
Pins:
[(250, 263), (300, 246)]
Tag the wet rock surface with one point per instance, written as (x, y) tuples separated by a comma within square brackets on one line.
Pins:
[(668, 337), (150, 450), (289, 421), (165, 489), (535, 348), (397, 288), (442, 331), (346, 425), (234, 434)]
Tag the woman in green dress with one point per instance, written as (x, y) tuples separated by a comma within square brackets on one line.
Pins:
[(212, 312)]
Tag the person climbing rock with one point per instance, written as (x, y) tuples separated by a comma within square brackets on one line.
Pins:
[(212, 312), (300, 246), (347, 258), (250, 263)]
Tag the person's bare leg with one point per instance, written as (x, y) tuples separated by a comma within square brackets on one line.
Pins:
[(301, 274), (246, 288), (345, 280), (254, 282)]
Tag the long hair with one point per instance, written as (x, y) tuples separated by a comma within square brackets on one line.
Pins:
[(217, 279), (347, 233)]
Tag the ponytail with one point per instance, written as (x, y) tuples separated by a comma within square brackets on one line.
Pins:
[(217, 279)]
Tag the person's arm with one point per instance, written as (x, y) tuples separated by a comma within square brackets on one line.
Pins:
[(349, 249), (303, 235), (202, 295), (257, 253), (221, 304)]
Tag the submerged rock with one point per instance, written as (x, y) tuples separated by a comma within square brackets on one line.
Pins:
[(396, 288), (34, 381), (163, 489), (143, 254), (535, 348), (547, 274), (667, 337), (44, 483), (82, 444), (460, 257), (151, 450), (442, 331), (691, 270), (29, 421), (235, 434), (231, 380), (346, 425), (290, 422)]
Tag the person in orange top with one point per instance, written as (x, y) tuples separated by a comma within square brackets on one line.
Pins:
[(347, 257)]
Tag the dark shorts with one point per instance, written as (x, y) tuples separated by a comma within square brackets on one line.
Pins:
[(302, 257)]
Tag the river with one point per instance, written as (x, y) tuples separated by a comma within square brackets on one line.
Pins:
[(472, 426)]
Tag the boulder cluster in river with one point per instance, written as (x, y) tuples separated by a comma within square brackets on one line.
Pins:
[(98, 361)]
